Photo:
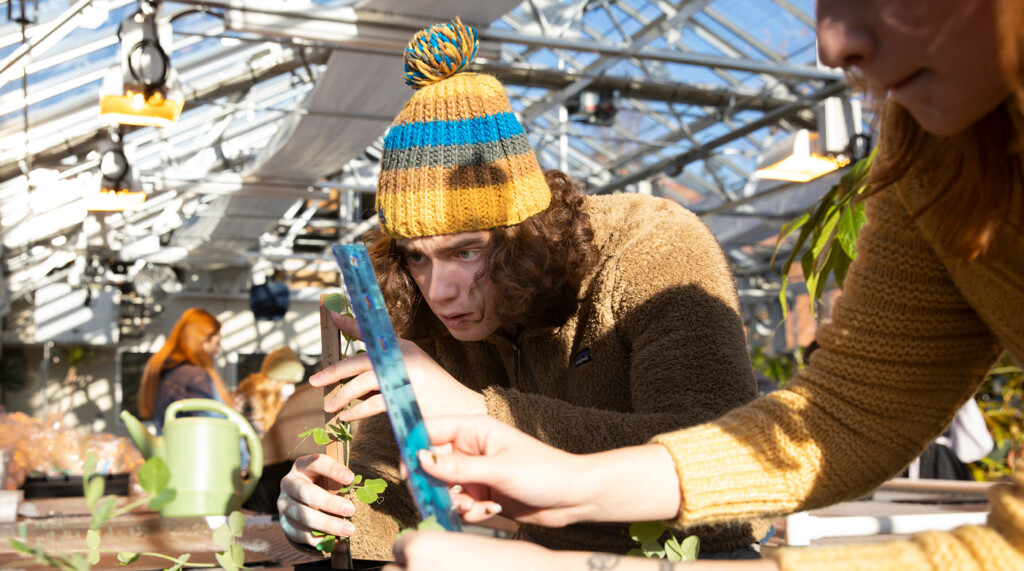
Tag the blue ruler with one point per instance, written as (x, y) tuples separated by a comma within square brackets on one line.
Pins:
[(430, 494)]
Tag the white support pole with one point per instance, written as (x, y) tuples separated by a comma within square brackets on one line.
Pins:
[(802, 528)]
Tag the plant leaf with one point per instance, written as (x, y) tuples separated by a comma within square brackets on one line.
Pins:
[(237, 555), (321, 437), (127, 558), (377, 485), (154, 475), (163, 498), (366, 495), (336, 302), (653, 549), (340, 432), (94, 487), (673, 550), (236, 521), (92, 539), (20, 546), (90, 464), (691, 548), (225, 562), (102, 512), (430, 524), (223, 537), (326, 544), (646, 531)]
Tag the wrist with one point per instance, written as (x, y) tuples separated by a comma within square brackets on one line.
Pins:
[(630, 484)]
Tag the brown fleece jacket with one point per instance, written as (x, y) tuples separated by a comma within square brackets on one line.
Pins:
[(657, 344), (910, 340)]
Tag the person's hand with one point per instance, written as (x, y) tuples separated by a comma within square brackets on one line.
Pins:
[(500, 469), (305, 506), (437, 392), (433, 550)]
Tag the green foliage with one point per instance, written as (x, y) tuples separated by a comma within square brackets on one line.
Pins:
[(649, 535), (429, 524), (154, 478), (827, 241), (779, 368), (367, 491), (1001, 397), (337, 303)]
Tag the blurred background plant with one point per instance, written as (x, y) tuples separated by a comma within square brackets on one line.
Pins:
[(1001, 398)]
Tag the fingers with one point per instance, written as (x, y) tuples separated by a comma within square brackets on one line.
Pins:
[(305, 506), (344, 369), (357, 387), (365, 409), (457, 469), (299, 522), (347, 325), (465, 433)]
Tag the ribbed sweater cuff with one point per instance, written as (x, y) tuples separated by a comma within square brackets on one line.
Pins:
[(720, 479), (895, 556)]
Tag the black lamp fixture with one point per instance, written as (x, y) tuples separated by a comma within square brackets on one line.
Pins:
[(144, 89), (116, 181), (593, 107)]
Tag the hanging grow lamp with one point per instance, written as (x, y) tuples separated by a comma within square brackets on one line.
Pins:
[(798, 159), (144, 90)]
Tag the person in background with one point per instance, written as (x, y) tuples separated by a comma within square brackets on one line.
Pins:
[(183, 367), (935, 295), (260, 395), (590, 321)]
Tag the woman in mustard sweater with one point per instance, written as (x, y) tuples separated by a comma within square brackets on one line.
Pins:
[(936, 293)]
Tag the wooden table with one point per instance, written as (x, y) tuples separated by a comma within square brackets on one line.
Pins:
[(60, 526)]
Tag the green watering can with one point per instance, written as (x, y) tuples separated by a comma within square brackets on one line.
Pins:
[(203, 456)]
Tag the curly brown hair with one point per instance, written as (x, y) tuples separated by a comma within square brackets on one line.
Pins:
[(536, 267)]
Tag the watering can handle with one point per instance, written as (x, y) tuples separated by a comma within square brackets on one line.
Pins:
[(255, 449)]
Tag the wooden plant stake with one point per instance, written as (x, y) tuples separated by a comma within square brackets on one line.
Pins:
[(330, 343)]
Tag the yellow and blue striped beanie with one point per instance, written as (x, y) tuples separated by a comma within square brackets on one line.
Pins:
[(456, 159)]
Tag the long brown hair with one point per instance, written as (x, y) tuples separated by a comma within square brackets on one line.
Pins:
[(183, 345), (981, 168), (536, 267), (264, 394)]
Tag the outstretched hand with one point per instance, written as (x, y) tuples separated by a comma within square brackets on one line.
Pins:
[(500, 469), (305, 506), (437, 392)]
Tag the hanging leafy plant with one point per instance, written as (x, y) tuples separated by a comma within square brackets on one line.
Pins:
[(828, 231)]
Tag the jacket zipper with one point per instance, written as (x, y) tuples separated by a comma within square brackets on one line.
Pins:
[(515, 365)]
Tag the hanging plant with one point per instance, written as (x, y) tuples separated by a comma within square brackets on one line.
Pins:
[(828, 231)]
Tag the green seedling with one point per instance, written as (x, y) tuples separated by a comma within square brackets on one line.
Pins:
[(365, 491), (649, 533), (154, 476)]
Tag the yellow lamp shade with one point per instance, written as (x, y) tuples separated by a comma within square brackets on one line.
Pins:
[(133, 109)]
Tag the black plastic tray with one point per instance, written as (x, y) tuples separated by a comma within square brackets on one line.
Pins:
[(71, 486)]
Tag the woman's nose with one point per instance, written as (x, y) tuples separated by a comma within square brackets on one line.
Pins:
[(844, 38)]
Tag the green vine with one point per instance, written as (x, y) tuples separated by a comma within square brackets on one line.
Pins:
[(154, 477), (366, 491)]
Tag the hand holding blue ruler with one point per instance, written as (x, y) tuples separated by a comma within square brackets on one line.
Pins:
[(430, 494)]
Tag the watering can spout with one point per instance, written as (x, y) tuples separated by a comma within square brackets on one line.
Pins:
[(144, 439)]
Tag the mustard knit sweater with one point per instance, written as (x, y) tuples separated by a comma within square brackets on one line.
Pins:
[(911, 338)]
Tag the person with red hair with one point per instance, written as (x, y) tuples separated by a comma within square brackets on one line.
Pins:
[(183, 367)]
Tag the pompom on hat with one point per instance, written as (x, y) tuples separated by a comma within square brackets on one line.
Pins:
[(456, 159), (283, 364)]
